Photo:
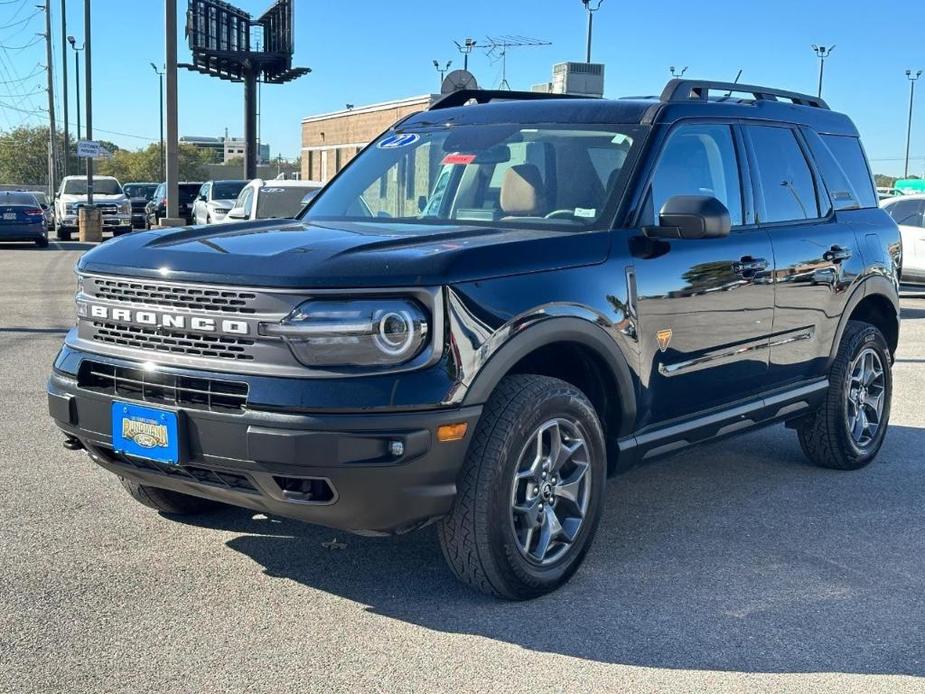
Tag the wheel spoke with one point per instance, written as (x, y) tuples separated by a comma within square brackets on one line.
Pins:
[(568, 489), (555, 445), (566, 453), (530, 512), (859, 426), (549, 532)]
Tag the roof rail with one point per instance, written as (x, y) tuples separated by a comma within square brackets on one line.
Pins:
[(483, 96), (687, 90)]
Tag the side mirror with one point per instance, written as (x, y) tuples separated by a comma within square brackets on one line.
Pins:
[(691, 217), (201, 197), (237, 213)]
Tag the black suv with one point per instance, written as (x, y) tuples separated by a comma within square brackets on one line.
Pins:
[(493, 306), (156, 207)]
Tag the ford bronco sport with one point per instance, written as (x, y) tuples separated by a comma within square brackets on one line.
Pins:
[(489, 309)]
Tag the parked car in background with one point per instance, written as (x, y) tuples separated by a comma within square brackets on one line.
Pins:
[(885, 193), (107, 196), (22, 218), (908, 211), (157, 206), (139, 194), (47, 210), (215, 200), (261, 199)]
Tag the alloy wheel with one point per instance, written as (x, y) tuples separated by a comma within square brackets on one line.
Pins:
[(866, 394)]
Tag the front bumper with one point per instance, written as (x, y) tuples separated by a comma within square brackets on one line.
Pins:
[(109, 221), (337, 470)]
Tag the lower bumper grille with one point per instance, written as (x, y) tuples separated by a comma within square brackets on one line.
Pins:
[(191, 473), (163, 389)]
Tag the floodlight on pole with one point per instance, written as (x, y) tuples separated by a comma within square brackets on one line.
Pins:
[(591, 6), (442, 70), (677, 74), (466, 48), (160, 75), (913, 78), (822, 52), (71, 40)]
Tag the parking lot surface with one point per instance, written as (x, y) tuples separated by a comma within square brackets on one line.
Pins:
[(730, 567)]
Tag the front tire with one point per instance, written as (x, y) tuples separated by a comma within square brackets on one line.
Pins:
[(847, 431), (530, 493), (168, 501), (64, 234)]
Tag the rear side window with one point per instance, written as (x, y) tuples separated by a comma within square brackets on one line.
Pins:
[(850, 156), (907, 212), (787, 184)]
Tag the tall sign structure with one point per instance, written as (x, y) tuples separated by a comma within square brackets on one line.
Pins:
[(228, 43)]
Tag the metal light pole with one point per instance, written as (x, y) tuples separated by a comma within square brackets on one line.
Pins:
[(465, 48), (442, 70), (677, 74), (591, 8), (160, 74), (912, 77), (822, 53), (67, 144), (88, 71), (52, 126), (71, 40), (170, 60)]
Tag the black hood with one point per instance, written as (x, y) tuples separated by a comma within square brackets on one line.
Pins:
[(291, 254)]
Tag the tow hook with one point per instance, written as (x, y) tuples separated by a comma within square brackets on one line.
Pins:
[(72, 443)]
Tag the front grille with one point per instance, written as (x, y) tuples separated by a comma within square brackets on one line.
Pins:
[(190, 298), (174, 342), (162, 388), (192, 473)]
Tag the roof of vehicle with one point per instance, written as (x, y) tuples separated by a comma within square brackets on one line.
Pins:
[(228, 180), (680, 99), (84, 177), (284, 183), (897, 198)]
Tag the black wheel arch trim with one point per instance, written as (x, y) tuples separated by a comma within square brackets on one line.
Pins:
[(552, 330), (873, 285)]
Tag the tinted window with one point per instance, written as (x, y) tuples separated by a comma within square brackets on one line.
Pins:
[(18, 199), (140, 190), (279, 201), (227, 190), (786, 180), (101, 186), (188, 192), (850, 156), (698, 160), (907, 212), (247, 201)]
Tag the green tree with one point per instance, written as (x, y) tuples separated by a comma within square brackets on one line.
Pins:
[(145, 164)]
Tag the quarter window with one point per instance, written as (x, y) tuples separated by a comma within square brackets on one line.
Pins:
[(697, 160), (848, 153), (787, 184)]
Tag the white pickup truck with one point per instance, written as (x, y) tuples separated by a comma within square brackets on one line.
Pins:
[(116, 208)]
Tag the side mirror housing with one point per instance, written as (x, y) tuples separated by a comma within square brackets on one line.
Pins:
[(691, 217), (237, 213)]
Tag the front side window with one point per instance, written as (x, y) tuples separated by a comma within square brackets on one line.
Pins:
[(697, 160), (568, 176), (787, 183), (246, 201), (280, 202)]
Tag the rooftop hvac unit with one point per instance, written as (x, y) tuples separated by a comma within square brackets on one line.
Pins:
[(586, 79)]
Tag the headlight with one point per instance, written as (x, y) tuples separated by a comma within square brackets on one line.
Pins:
[(353, 332), (125, 207), (70, 208)]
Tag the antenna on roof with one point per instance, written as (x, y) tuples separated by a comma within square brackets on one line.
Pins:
[(497, 47), (735, 81)]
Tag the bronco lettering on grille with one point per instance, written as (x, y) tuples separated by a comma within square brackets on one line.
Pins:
[(170, 320)]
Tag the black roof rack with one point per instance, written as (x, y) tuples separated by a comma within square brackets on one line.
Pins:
[(483, 96), (687, 90)]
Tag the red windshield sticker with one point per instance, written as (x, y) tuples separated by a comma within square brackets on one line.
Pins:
[(458, 158)]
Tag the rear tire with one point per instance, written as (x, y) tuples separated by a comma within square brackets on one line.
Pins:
[(847, 431), (167, 501), (41, 243), (64, 234), (530, 493)]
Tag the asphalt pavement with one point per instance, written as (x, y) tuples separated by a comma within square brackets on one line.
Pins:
[(730, 567)]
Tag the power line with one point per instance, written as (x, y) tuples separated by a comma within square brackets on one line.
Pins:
[(21, 21), (25, 46), (24, 79)]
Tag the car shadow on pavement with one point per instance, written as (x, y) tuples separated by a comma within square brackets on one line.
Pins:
[(738, 557)]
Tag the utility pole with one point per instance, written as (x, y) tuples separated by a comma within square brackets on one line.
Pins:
[(172, 165), (591, 8), (88, 99), (822, 53), (67, 144), (912, 77), (160, 74), (442, 70), (465, 48), (52, 129)]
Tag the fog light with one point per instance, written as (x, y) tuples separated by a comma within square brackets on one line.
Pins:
[(451, 432), (396, 448)]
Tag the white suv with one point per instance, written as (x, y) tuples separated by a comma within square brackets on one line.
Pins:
[(271, 200), (214, 201), (116, 208)]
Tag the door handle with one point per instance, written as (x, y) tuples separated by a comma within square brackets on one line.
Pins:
[(836, 254), (748, 266)]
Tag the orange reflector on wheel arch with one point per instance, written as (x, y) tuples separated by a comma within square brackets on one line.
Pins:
[(451, 432)]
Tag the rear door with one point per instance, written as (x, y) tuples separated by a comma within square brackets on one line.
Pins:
[(815, 251), (909, 215), (705, 306)]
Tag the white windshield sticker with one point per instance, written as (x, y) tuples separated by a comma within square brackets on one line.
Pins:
[(585, 212)]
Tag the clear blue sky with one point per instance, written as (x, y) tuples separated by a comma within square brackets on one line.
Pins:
[(370, 50)]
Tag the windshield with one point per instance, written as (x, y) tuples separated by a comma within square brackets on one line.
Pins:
[(188, 192), (568, 175), (101, 186), (280, 202), (17, 198), (227, 190), (140, 190)]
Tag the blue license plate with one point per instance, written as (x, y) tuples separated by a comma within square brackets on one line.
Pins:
[(145, 432)]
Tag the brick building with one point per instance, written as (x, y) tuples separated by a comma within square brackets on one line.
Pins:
[(330, 140)]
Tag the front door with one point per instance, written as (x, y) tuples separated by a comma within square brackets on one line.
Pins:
[(705, 307)]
